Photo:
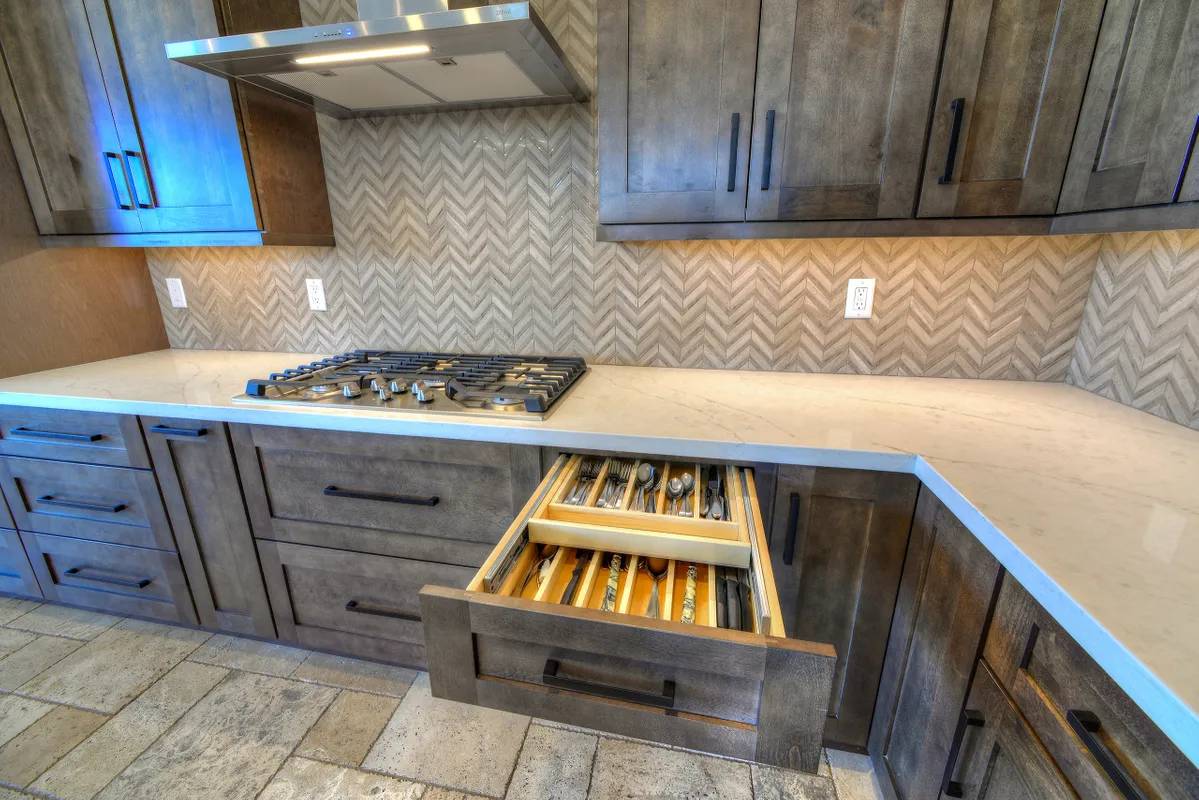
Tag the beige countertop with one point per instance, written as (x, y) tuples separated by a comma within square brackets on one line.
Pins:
[(1094, 507)]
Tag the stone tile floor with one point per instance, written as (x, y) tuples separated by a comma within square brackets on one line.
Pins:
[(94, 705)]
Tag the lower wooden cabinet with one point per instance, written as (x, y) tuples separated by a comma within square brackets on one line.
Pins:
[(16, 575)]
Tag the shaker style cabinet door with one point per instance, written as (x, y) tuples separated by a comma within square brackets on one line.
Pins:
[(1012, 80), (842, 107), (676, 94), (1141, 111), (61, 122)]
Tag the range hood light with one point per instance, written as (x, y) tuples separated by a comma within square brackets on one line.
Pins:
[(373, 54)]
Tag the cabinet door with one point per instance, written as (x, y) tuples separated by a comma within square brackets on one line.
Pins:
[(177, 124), (997, 756), (841, 114), (1139, 114), (1012, 79), (837, 545), (194, 465), (61, 122), (941, 615), (677, 83)]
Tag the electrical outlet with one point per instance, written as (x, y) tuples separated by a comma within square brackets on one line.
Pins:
[(859, 298), (316, 294), (175, 290)]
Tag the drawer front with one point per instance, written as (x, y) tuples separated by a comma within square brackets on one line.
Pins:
[(86, 436), (6, 520), (16, 575), (108, 504), (361, 604), (110, 577), (1098, 736)]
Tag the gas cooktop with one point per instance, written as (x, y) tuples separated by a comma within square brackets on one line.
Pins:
[(455, 383)]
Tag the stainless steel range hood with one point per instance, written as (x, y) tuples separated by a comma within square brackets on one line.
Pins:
[(401, 56)]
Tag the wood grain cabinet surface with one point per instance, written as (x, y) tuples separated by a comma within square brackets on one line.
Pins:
[(86, 436), (16, 574)]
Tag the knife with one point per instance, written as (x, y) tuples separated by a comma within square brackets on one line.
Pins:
[(722, 599), (733, 619), (583, 557)]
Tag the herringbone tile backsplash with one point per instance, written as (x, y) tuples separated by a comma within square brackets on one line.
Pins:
[(475, 231)]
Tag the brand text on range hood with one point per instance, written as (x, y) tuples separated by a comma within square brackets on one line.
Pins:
[(401, 56)]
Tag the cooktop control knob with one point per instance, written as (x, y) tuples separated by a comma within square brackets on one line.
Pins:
[(383, 393), (351, 390), (422, 392), (397, 387)]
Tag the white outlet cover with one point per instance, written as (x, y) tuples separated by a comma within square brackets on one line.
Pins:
[(177, 295), (859, 298), (316, 294)]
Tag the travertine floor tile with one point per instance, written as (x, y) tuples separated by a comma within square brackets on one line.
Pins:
[(32, 751), (353, 673), (72, 623), (772, 783), (345, 732), (20, 666), (854, 776), (13, 607), (13, 794), (438, 793), (554, 765), (18, 713), (229, 745), (12, 640), (116, 666), (628, 769), (450, 744), (250, 655), (102, 756), (301, 779)]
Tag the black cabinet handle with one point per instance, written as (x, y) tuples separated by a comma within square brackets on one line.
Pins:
[(51, 500), (769, 150), (1086, 725), (132, 157), (170, 430), (792, 529), (133, 583), (408, 500), (550, 677), (957, 108), (379, 611), (124, 200), (972, 719), (734, 137), (1186, 161), (33, 433)]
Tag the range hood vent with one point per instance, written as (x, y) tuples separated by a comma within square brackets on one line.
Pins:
[(401, 56)]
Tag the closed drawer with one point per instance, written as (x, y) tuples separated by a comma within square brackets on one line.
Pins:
[(108, 504), (6, 520), (559, 631), (427, 499), (110, 577), (86, 436), (1102, 741), (16, 575), (361, 604)]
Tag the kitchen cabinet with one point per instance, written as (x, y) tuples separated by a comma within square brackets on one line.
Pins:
[(841, 111), (675, 108), (16, 574), (194, 465), (1011, 85), (837, 545), (115, 141), (944, 604), (1136, 131)]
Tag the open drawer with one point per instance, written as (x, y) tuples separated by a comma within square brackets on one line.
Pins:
[(557, 626)]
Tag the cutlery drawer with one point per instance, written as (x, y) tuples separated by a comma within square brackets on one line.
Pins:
[(563, 632), (108, 504), (16, 575), (361, 604), (86, 436), (1099, 737), (110, 577)]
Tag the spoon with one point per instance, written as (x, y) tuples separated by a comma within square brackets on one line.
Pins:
[(674, 490), (657, 570), (645, 475), (688, 481)]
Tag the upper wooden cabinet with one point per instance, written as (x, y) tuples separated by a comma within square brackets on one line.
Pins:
[(116, 141), (842, 106), (1012, 79), (1136, 133)]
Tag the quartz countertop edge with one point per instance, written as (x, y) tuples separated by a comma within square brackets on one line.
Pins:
[(1092, 506)]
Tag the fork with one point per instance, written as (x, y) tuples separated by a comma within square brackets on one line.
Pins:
[(588, 472), (615, 484)]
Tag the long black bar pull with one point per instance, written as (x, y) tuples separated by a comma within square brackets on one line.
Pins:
[(969, 719), (1087, 727), (768, 154), (792, 529), (734, 142), (958, 109)]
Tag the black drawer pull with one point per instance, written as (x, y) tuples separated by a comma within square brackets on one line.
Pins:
[(734, 136), (792, 529), (957, 108), (379, 611), (123, 198), (170, 430), (140, 175), (408, 500), (1086, 725), (51, 500), (33, 433), (550, 677), (769, 150), (133, 583), (970, 718)]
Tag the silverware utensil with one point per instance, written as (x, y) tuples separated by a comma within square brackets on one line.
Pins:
[(688, 481), (656, 567), (588, 472), (645, 476), (674, 490)]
